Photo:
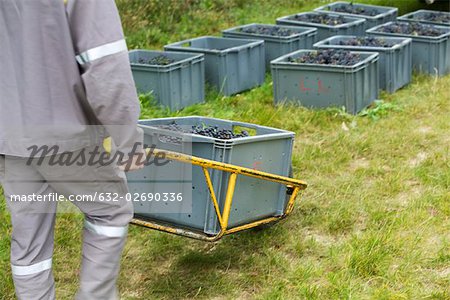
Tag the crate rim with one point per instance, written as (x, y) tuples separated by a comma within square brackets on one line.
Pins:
[(280, 62), (251, 43), (401, 44), (405, 16), (413, 37), (304, 31), (355, 21), (389, 9), (280, 134), (192, 56)]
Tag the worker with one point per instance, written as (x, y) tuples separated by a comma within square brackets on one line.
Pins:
[(65, 84)]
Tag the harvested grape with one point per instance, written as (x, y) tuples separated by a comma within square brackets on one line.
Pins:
[(268, 30), (349, 8), (320, 19), (209, 131), (368, 42), (160, 60), (328, 57), (411, 28), (439, 17)]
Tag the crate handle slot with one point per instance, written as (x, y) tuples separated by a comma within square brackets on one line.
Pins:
[(169, 139), (250, 129)]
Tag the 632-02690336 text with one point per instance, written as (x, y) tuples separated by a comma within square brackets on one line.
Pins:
[(100, 197)]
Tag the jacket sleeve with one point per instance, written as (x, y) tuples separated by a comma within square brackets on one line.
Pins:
[(102, 54)]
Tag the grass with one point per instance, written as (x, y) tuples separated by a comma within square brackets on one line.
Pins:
[(373, 224)]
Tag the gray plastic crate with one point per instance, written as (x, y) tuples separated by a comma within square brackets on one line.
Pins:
[(395, 63), (384, 13), (419, 16), (319, 86), (276, 46), (176, 85), (268, 150), (232, 65), (429, 54), (353, 26)]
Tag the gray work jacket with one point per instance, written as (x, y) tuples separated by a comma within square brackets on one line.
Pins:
[(64, 65)]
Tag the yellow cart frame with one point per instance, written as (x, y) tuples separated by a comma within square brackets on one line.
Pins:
[(295, 186)]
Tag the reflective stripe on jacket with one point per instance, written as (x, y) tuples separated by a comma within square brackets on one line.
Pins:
[(64, 66)]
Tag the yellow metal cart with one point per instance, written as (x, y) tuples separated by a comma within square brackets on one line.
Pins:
[(294, 187)]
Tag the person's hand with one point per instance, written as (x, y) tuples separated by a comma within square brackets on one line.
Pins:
[(137, 162)]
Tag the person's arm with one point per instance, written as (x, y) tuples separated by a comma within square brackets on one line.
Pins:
[(102, 54)]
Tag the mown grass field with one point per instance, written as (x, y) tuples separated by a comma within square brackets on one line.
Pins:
[(373, 224)]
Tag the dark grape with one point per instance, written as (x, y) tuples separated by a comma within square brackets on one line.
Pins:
[(209, 131), (354, 9), (160, 60), (328, 57), (368, 42), (411, 28), (439, 17), (320, 19), (267, 30)]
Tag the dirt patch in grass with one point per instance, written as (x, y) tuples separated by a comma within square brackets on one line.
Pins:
[(360, 163), (418, 159)]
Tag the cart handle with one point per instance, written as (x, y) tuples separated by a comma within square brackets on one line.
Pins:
[(206, 163)]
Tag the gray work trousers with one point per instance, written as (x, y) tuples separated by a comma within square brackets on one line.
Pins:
[(104, 233)]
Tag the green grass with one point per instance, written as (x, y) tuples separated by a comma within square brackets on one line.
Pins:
[(374, 222)]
